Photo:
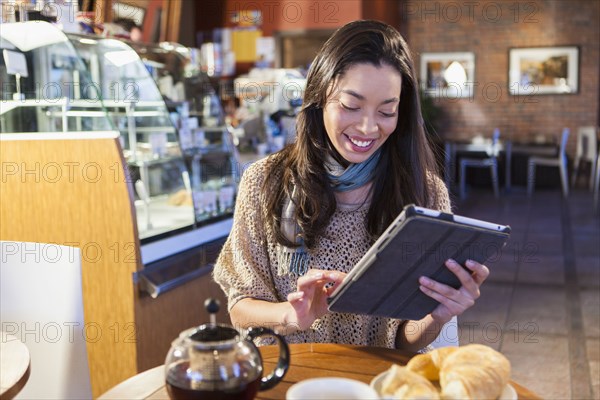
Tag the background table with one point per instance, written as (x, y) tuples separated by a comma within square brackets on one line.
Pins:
[(451, 148), (14, 366), (307, 361), (506, 147)]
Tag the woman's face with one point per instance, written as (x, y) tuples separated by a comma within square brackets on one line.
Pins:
[(362, 110)]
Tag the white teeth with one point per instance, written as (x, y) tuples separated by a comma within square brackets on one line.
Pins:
[(361, 143)]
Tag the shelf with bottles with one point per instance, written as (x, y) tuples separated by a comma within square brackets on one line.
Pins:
[(189, 94), (196, 139), (213, 160), (214, 179), (180, 78), (205, 142)]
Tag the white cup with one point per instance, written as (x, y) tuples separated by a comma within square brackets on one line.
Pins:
[(330, 389)]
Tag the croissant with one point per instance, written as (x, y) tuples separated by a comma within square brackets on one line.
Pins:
[(429, 364), (474, 371), (181, 198), (401, 383)]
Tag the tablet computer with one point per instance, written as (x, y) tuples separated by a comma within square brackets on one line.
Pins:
[(385, 282)]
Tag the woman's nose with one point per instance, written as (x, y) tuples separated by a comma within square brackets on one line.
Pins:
[(368, 124)]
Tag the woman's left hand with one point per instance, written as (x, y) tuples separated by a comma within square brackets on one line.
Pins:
[(455, 301)]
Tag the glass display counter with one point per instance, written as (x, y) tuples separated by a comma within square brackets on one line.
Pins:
[(67, 101), (183, 168), (182, 161), (195, 108), (163, 200)]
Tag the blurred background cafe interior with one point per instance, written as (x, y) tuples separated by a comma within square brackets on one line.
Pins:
[(127, 124)]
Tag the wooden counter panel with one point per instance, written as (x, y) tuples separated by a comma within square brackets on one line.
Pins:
[(73, 193), (162, 319)]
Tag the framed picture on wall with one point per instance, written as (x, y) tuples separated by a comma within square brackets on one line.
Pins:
[(543, 70), (449, 75)]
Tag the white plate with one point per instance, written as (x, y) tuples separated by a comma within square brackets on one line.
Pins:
[(330, 389), (509, 392)]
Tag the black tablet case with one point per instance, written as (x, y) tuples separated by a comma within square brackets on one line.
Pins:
[(414, 245)]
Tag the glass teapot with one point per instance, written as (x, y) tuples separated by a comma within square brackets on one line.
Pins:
[(214, 361)]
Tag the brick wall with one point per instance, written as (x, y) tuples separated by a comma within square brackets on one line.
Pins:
[(489, 29)]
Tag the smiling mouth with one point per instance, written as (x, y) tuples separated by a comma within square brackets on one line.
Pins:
[(360, 143)]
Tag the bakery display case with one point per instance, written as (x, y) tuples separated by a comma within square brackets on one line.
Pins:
[(150, 144), (195, 108), (93, 158), (181, 160)]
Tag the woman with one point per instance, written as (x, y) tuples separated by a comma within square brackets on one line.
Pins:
[(306, 215)]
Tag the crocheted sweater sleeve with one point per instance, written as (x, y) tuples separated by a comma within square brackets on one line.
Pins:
[(242, 268)]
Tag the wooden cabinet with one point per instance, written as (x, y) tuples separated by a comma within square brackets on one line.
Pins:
[(161, 319)]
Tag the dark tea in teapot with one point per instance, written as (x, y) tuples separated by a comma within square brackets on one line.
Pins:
[(181, 389)]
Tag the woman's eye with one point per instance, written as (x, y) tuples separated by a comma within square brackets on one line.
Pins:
[(386, 114), (345, 107)]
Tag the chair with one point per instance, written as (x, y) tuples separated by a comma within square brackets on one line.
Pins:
[(41, 303), (448, 336), (587, 150), (560, 161), (491, 162)]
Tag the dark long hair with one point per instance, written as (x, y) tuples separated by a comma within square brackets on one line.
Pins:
[(403, 174)]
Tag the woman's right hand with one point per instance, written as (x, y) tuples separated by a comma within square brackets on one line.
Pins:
[(309, 301)]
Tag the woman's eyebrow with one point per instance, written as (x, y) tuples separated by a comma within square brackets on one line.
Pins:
[(361, 97)]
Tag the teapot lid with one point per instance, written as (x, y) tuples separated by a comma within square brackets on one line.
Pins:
[(212, 332)]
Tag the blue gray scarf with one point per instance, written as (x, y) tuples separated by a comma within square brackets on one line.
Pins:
[(294, 260)]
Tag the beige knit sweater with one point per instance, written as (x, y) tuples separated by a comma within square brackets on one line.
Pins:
[(247, 264)]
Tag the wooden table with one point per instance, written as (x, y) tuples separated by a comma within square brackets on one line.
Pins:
[(14, 366), (307, 361)]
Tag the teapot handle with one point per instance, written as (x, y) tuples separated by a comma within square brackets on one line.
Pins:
[(268, 382)]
